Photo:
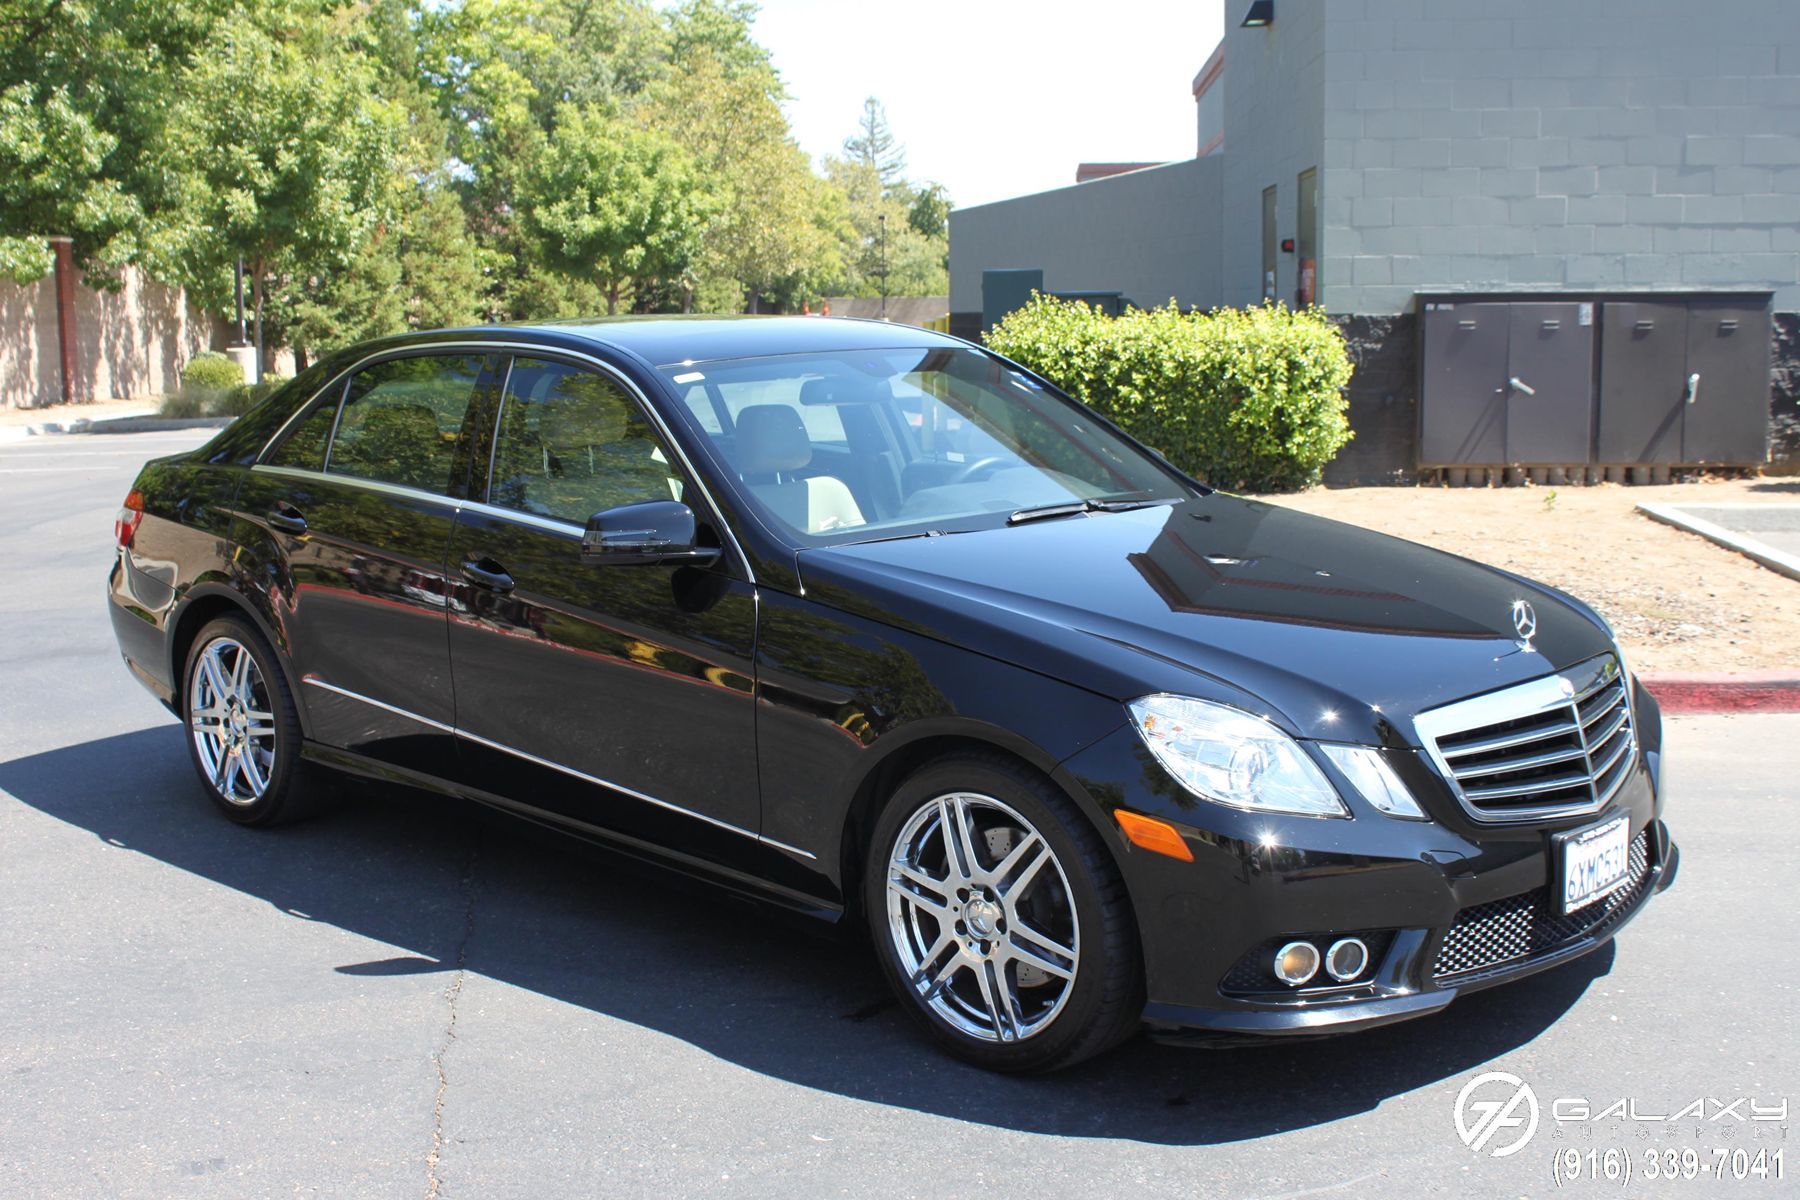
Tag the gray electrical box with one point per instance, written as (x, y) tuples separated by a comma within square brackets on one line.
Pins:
[(1685, 380), (1506, 382), (1007, 290)]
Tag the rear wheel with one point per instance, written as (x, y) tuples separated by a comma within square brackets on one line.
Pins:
[(999, 918), (243, 728)]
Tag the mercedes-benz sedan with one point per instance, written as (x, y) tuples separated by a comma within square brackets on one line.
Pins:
[(881, 627)]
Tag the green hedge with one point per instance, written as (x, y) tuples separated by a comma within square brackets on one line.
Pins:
[(210, 371), (1244, 399), (201, 396)]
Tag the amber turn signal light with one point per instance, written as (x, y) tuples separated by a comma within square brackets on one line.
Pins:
[(1158, 837)]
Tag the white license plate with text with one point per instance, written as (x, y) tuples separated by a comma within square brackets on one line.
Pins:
[(1595, 862)]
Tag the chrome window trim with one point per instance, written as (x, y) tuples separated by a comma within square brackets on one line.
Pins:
[(513, 348), (315, 681), (373, 485), (1534, 697)]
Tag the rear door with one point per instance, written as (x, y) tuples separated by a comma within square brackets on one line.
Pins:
[(617, 696), (358, 498)]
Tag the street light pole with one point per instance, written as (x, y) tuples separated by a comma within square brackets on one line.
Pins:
[(884, 270)]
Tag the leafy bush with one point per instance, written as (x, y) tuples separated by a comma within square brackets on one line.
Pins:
[(1246, 399), (182, 405), (211, 371), (240, 400)]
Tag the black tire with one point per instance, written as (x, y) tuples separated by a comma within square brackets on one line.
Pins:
[(1104, 1000), (290, 792)]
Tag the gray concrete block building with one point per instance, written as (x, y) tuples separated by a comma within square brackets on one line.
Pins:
[(1615, 182)]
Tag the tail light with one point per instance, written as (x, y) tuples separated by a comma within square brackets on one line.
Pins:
[(131, 514)]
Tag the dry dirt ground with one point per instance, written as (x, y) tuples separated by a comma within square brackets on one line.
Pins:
[(1678, 602)]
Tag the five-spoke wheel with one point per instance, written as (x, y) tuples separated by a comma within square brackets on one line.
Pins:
[(979, 911), (999, 916)]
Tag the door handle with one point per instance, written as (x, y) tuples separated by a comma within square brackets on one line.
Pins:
[(488, 574), (1693, 388), (286, 517), (1521, 385)]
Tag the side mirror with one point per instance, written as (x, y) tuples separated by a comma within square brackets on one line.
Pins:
[(649, 532)]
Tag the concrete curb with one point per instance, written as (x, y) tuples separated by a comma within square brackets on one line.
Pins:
[(1753, 691), (147, 424), (1749, 547)]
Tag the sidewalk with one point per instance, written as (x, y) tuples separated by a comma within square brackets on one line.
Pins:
[(139, 415)]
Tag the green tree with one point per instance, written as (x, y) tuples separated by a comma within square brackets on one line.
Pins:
[(874, 146), (84, 91), (283, 154), (929, 211), (603, 201), (722, 104)]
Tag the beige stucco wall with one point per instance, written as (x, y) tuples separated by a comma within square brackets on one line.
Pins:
[(130, 342)]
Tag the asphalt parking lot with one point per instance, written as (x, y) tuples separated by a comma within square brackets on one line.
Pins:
[(409, 998)]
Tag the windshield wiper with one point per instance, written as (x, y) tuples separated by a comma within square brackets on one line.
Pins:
[(1075, 508)]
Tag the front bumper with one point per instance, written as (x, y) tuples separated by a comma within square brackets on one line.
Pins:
[(1447, 906)]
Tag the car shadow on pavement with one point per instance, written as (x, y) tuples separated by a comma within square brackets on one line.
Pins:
[(449, 882)]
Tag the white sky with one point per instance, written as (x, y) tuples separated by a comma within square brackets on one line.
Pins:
[(996, 98)]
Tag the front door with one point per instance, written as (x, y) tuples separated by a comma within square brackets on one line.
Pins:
[(619, 697), (361, 520)]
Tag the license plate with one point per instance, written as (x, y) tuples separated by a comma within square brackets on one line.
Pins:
[(1595, 862)]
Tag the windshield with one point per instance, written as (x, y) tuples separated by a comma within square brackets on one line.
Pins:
[(877, 444)]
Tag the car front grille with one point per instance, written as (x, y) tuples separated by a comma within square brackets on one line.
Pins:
[(1548, 748), (1520, 928)]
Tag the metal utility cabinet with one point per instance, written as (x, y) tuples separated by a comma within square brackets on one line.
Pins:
[(1685, 382), (1581, 381), (1507, 382)]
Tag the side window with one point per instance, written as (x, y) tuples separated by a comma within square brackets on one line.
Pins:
[(403, 420), (304, 445), (571, 443)]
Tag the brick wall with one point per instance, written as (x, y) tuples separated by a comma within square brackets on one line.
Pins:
[(128, 343)]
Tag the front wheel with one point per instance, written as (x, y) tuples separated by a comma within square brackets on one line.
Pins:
[(1000, 919)]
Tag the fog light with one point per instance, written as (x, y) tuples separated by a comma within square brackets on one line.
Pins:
[(1296, 962), (1346, 959)]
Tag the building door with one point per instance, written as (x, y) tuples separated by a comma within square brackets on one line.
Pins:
[(1306, 240), (1268, 244)]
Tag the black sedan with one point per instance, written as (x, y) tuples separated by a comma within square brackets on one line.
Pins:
[(880, 627)]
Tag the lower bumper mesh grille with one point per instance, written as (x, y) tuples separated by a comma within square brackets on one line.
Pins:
[(1520, 928)]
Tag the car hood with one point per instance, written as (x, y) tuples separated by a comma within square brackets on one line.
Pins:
[(1343, 632)]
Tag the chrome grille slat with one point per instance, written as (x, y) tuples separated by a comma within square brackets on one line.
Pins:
[(1508, 741), (1555, 784), (1547, 759), (1613, 726), (1552, 747)]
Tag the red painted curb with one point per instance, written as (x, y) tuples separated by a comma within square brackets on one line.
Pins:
[(1753, 691)]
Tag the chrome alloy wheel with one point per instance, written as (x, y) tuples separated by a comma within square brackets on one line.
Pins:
[(231, 720), (981, 917)]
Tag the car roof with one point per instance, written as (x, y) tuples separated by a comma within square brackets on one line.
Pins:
[(670, 340)]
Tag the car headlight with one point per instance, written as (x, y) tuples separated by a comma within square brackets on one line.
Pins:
[(1230, 757), (1368, 771)]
